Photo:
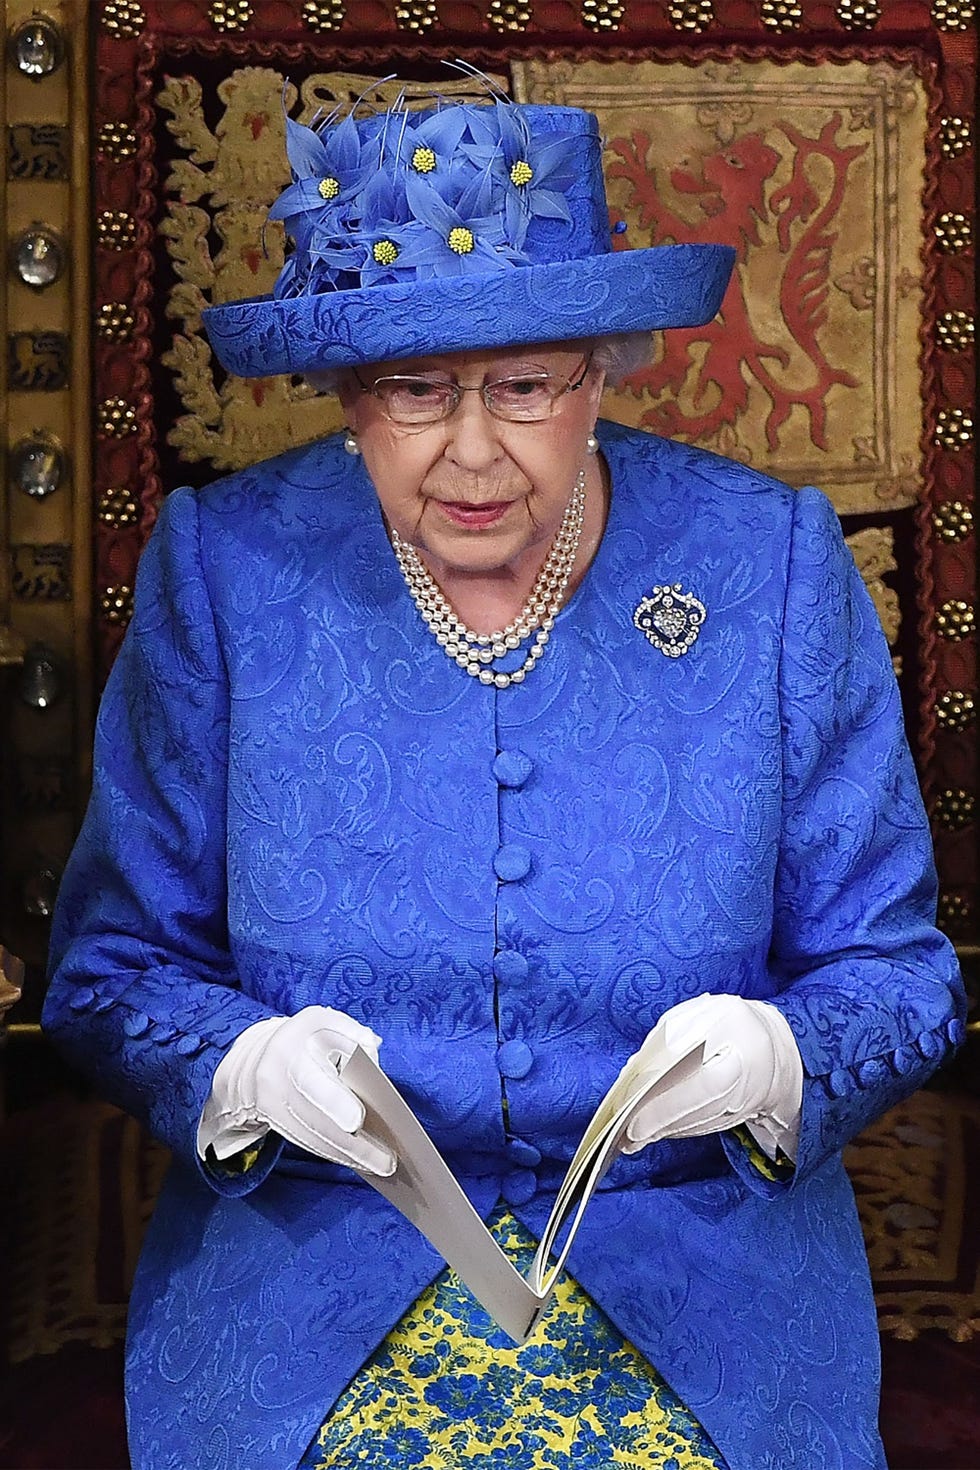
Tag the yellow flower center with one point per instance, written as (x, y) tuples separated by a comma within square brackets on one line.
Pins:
[(423, 160), (385, 252), (461, 240), (521, 173), (328, 188)]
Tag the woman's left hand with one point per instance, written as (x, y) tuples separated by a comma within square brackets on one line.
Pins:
[(751, 1073)]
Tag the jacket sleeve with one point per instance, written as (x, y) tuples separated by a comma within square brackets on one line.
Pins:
[(143, 995), (869, 986)]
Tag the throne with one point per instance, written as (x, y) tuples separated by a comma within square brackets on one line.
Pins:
[(831, 143)]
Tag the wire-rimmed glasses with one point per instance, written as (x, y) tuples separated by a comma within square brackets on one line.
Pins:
[(525, 399)]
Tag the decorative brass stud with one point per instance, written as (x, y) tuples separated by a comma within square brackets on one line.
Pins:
[(42, 677), (324, 15), (953, 520), (954, 428), (602, 15), (116, 418), (955, 330), (38, 257), (230, 15), (953, 233), (953, 15), (37, 465), (116, 603), (955, 135), (955, 709), (123, 18), (954, 910), (416, 15), (115, 229), (691, 15), (39, 890), (856, 16), (118, 508), (117, 141), (114, 321), (954, 809), (955, 620), (508, 15), (778, 15), (37, 48)]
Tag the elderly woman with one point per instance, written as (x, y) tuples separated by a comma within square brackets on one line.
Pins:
[(505, 738)]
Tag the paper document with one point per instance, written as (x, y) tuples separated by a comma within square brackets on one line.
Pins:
[(424, 1189)]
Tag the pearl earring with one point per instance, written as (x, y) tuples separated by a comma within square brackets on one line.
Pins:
[(592, 444), (350, 443)]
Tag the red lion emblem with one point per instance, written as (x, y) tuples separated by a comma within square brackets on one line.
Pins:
[(730, 191)]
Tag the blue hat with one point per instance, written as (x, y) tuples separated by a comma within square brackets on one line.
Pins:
[(462, 226)]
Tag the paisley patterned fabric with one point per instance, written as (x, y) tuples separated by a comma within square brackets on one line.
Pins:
[(621, 291), (299, 798), (447, 1387)]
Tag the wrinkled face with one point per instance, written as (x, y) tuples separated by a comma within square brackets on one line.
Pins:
[(473, 492)]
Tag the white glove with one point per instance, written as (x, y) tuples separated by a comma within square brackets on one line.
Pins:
[(752, 1073), (284, 1074)]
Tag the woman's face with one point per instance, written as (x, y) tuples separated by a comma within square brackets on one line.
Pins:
[(473, 492)]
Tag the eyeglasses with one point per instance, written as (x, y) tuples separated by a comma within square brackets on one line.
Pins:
[(523, 400)]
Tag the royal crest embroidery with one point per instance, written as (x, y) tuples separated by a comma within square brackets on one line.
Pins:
[(671, 619)]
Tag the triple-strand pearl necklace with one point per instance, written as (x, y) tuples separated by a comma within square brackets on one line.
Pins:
[(476, 652)]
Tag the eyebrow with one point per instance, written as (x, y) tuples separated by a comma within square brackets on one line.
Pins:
[(502, 370)]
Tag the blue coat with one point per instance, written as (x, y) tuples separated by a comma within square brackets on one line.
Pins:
[(299, 798)]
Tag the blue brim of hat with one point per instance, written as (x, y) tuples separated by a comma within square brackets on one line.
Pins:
[(622, 291)]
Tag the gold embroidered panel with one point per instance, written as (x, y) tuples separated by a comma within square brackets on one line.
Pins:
[(812, 370), (224, 182)]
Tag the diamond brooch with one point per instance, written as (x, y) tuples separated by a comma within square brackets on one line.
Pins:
[(671, 619)]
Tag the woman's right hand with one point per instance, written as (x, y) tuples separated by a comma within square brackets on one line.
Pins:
[(285, 1074)]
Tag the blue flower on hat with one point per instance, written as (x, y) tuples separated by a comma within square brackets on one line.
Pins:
[(460, 237), (381, 245), (330, 167), (430, 148), (532, 172)]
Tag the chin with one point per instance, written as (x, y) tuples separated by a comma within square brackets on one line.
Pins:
[(484, 554)]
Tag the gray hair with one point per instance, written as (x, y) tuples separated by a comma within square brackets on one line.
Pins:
[(618, 354)]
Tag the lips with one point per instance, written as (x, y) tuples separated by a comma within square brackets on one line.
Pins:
[(474, 517)]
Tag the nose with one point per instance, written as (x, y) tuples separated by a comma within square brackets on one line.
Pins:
[(472, 441)]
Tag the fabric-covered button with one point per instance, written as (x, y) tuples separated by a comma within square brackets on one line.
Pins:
[(510, 967), (512, 768), (905, 1059), (514, 1059), (137, 1023), (956, 1031), (873, 1072), (189, 1045), (519, 1186), (81, 999), (929, 1045), (513, 861), (840, 1082), (519, 1151)]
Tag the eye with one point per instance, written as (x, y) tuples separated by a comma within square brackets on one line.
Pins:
[(420, 388), (516, 390)]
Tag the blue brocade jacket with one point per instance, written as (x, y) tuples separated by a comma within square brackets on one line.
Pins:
[(298, 798)]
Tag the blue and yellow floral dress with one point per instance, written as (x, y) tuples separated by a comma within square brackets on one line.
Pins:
[(448, 1388)]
